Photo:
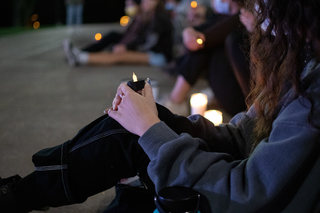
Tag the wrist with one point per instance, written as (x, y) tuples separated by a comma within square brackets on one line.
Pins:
[(147, 125)]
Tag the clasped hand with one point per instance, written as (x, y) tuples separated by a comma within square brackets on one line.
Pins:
[(136, 112), (190, 37)]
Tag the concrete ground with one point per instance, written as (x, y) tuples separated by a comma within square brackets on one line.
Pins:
[(44, 102)]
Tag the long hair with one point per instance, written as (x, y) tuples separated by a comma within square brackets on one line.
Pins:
[(276, 54)]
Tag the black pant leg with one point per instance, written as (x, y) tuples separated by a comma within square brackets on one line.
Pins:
[(224, 83), (193, 64), (106, 40), (99, 156), (237, 51), (94, 160)]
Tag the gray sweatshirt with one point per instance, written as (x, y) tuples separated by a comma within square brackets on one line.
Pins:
[(281, 175)]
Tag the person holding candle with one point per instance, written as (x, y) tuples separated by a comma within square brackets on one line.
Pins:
[(107, 40), (220, 56), (147, 40), (265, 160)]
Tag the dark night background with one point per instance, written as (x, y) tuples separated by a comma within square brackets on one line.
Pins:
[(52, 12)]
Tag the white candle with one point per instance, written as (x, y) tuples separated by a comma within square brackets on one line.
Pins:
[(214, 116), (198, 103)]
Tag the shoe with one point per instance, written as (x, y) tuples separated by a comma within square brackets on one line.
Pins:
[(180, 109), (69, 53), (8, 201)]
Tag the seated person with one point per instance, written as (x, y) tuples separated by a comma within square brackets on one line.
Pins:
[(146, 41), (223, 41), (109, 39), (183, 16)]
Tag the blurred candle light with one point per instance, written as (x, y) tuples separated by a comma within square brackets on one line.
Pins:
[(36, 25), (199, 41), (215, 116), (98, 36), (193, 4), (124, 20), (198, 103), (34, 17)]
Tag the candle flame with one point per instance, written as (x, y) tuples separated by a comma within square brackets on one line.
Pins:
[(98, 36), (134, 77), (198, 99), (199, 41), (214, 116), (193, 4), (124, 20)]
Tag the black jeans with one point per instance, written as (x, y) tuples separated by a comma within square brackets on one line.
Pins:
[(96, 159)]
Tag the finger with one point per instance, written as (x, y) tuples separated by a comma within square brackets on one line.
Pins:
[(116, 102), (196, 46), (124, 89), (147, 90), (192, 45), (202, 36), (120, 90), (106, 110)]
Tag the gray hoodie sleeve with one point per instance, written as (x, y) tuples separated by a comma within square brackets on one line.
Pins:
[(230, 185)]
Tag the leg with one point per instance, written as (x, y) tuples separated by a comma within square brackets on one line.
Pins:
[(70, 11), (237, 49), (110, 38), (99, 156), (128, 57), (190, 68), (79, 11), (180, 90), (193, 64), (94, 160), (224, 84)]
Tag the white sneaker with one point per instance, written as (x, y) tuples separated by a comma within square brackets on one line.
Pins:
[(69, 54), (180, 109)]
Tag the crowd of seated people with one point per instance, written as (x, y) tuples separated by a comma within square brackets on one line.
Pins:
[(166, 34), (222, 58), (144, 41)]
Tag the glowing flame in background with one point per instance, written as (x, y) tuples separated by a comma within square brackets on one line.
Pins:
[(98, 36), (34, 21), (193, 4), (124, 20), (34, 17), (199, 41), (36, 25)]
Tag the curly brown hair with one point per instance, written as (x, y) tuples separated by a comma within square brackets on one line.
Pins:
[(276, 54)]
